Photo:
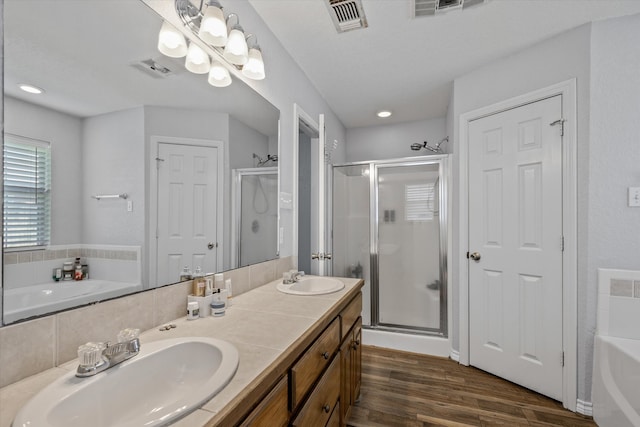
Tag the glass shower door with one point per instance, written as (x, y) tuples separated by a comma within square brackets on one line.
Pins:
[(409, 243)]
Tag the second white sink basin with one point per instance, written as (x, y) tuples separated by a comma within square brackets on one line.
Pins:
[(165, 381), (312, 285)]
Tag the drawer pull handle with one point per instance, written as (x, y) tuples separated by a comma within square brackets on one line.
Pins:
[(326, 355), (326, 408)]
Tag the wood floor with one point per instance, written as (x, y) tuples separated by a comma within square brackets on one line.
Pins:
[(406, 389)]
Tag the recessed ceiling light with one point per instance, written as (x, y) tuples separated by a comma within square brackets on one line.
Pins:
[(383, 114), (31, 89)]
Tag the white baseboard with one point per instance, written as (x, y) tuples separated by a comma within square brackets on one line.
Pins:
[(455, 355), (434, 346), (584, 408)]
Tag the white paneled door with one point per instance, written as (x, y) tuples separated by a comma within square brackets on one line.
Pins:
[(515, 245), (187, 232)]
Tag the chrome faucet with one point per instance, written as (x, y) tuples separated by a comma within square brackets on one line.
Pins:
[(291, 276), (98, 357)]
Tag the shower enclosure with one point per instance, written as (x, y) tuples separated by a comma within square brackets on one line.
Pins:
[(389, 228), (255, 215)]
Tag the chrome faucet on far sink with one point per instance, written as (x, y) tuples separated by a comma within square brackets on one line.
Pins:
[(97, 357), (291, 276)]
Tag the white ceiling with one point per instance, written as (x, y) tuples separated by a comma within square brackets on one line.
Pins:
[(408, 65)]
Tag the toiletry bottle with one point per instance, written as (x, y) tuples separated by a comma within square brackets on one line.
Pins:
[(228, 287), (77, 270), (218, 280), (185, 274), (193, 310), (199, 283)]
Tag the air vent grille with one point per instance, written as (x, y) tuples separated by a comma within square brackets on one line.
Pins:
[(347, 15), (153, 68), (433, 7)]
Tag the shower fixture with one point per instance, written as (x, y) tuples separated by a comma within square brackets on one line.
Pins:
[(417, 146), (270, 158)]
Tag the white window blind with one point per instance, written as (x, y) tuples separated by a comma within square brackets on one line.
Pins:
[(419, 202), (27, 192)]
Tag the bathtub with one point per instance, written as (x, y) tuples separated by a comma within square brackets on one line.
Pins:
[(28, 301), (616, 382)]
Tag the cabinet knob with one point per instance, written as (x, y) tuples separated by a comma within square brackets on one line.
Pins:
[(326, 408), (326, 355)]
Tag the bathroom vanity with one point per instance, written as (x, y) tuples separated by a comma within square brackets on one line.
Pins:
[(299, 360)]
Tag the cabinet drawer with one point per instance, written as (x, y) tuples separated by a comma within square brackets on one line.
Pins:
[(307, 370), (334, 421), (273, 411), (318, 409), (350, 314)]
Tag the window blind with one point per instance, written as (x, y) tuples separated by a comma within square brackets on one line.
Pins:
[(27, 192), (419, 202)]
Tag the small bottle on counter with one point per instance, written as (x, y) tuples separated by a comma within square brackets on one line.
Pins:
[(229, 289), (77, 270), (217, 307), (185, 274), (193, 310), (199, 283)]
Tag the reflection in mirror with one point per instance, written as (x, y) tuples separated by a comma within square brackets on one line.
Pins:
[(126, 137)]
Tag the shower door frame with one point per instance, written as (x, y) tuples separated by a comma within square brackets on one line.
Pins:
[(236, 207), (443, 160)]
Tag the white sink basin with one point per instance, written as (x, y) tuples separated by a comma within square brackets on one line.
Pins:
[(311, 285), (165, 381)]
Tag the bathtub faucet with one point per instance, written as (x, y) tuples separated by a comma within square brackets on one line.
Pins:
[(97, 357)]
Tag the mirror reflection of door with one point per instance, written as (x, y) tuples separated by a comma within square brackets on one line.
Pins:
[(187, 211)]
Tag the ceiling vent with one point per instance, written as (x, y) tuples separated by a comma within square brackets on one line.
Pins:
[(347, 15), (157, 68), (435, 7)]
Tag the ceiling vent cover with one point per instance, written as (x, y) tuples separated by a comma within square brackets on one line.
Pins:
[(435, 7), (157, 68), (347, 15)]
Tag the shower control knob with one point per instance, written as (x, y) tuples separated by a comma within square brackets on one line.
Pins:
[(475, 256)]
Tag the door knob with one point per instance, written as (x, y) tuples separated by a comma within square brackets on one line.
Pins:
[(327, 256), (212, 245), (475, 256), (315, 256)]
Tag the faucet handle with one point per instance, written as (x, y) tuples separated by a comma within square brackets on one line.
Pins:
[(90, 354), (128, 334)]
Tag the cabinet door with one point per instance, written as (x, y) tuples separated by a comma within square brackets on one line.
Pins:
[(273, 410), (356, 362), (345, 380), (317, 409)]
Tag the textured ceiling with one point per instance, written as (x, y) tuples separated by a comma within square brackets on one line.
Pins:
[(407, 65)]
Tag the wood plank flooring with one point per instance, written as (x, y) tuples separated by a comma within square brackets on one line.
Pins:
[(406, 389)]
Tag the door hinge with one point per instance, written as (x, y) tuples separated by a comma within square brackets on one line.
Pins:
[(563, 358), (561, 123), (158, 160), (562, 244), (467, 254)]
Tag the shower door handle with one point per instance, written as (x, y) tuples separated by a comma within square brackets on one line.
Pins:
[(475, 256)]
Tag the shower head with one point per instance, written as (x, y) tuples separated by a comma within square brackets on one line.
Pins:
[(417, 146)]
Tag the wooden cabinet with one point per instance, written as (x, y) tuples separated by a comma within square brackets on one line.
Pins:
[(273, 410), (322, 380)]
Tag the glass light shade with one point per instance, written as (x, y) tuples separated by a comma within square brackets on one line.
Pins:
[(197, 60), (219, 76), (254, 68), (236, 50), (213, 28), (171, 42)]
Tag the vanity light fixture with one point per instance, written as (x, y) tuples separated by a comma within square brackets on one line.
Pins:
[(171, 42), (197, 60), (254, 68), (236, 50), (31, 89), (213, 27), (383, 114), (218, 75)]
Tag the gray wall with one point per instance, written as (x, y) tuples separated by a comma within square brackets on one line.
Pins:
[(243, 142), (64, 132), (393, 141), (304, 203)]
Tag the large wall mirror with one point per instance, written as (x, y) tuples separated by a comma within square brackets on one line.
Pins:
[(126, 161)]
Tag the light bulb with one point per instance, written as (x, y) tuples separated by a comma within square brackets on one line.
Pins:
[(171, 42), (236, 50), (197, 60), (219, 75), (213, 28), (254, 68)]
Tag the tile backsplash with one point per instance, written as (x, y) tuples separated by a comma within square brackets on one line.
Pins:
[(619, 303), (53, 340)]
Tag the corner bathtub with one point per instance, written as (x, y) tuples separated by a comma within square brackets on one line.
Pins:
[(616, 381), (27, 301)]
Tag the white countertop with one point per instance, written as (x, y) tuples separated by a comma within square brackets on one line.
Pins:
[(262, 324)]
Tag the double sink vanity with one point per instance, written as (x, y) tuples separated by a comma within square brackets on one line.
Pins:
[(281, 355)]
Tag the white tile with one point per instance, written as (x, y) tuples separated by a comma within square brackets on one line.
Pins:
[(624, 314)]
